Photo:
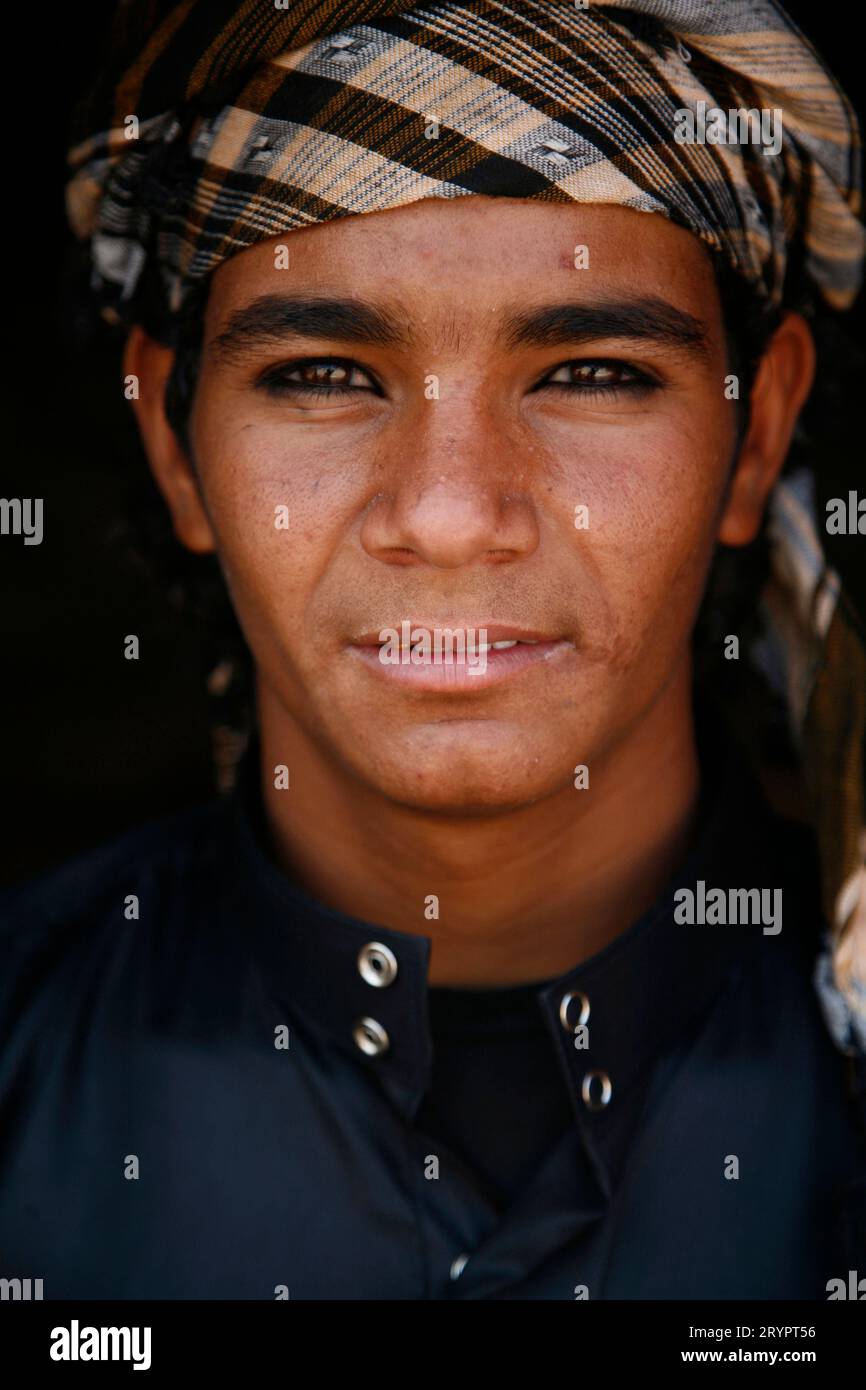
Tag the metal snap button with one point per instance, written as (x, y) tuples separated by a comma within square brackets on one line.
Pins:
[(592, 1099), (370, 1037), (377, 964), (458, 1266), (567, 1000)]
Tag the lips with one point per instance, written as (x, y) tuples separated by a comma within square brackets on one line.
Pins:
[(487, 653)]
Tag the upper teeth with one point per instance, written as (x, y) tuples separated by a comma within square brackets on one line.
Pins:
[(494, 646)]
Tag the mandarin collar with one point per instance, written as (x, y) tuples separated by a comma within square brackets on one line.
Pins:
[(364, 987)]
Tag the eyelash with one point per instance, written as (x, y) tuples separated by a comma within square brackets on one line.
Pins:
[(276, 384)]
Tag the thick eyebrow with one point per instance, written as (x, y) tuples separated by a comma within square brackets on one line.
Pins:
[(648, 319), (272, 317)]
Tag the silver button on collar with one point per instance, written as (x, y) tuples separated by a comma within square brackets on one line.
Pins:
[(458, 1266), (377, 964), (566, 1011), (370, 1037), (596, 1090)]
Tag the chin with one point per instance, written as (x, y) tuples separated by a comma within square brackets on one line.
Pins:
[(466, 768)]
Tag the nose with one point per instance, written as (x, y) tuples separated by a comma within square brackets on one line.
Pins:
[(455, 492)]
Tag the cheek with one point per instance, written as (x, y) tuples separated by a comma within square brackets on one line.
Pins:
[(652, 489), (276, 507)]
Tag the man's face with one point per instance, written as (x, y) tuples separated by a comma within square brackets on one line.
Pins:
[(565, 485)]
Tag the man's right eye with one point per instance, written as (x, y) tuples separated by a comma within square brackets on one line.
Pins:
[(315, 376)]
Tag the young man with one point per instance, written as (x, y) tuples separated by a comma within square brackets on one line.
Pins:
[(493, 978)]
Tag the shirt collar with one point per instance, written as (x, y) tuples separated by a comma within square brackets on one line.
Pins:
[(364, 987)]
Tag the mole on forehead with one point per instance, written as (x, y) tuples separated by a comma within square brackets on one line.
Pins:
[(476, 273)]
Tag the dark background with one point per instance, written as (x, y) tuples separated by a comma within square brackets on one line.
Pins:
[(93, 743)]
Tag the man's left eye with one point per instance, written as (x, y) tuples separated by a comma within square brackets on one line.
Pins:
[(598, 377)]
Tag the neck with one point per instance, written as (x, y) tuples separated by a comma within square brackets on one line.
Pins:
[(523, 895)]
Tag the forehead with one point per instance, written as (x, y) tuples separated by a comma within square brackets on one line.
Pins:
[(465, 257)]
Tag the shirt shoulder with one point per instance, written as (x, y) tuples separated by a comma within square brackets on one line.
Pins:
[(160, 852)]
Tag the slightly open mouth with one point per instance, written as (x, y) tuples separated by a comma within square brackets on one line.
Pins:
[(481, 646), (461, 667)]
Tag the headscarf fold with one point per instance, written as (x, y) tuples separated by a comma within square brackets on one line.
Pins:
[(252, 119)]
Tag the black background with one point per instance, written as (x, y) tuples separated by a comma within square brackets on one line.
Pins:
[(93, 743)]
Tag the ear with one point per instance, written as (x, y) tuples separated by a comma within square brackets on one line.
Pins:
[(151, 363), (782, 384)]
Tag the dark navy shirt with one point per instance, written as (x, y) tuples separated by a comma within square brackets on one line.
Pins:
[(243, 1094)]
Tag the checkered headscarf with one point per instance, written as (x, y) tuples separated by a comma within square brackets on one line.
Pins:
[(217, 124), (222, 123)]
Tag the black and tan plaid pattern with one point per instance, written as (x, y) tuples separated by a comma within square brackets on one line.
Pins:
[(255, 120)]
